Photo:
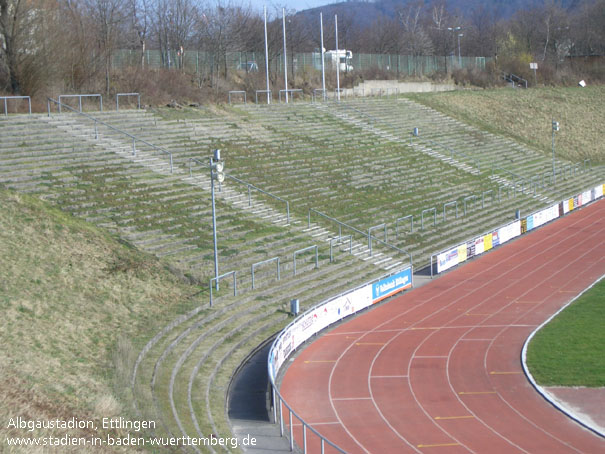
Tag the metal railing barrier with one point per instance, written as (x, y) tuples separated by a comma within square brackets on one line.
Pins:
[(341, 240), (434, 210), (290, 92), (324, 94), (411, 218), (449, 204), (301, 251), (6, 98), (384, 227), (266, 92), (237, 92), (218, 278), (113, 128), (254, 265), (96, 95), (470, 198), (138, 95)]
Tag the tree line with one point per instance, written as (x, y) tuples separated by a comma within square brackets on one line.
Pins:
[(69, 44)]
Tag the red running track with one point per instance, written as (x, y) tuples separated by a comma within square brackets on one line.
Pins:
[(438, 369)]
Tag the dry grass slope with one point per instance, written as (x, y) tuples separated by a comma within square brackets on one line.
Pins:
[(75, 306), (525, 116)]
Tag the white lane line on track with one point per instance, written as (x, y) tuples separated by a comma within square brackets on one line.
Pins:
[(512, 257)]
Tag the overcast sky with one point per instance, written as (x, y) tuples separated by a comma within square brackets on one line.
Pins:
[(298, 5)]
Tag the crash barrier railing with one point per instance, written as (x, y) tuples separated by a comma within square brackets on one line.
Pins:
[(218, 278), (6, 98), (266, 92), (118, 95), (98, 122), (367, 235), (478, 244), (290, 92), (237, 92), (309, 324), (250, 186), (96, 95), (324, 94)]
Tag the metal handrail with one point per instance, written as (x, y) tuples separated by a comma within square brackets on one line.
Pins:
[(364, 234), (96, 120), (29, 102)]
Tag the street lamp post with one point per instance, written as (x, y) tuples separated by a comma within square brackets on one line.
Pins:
[(555, 127), (216, 173), (456, 29), (459, 54)]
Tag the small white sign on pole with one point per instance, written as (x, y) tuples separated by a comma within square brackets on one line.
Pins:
[(533, 66)]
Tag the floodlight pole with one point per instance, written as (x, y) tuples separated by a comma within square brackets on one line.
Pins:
[(337, 58), (216, 173), (459, 54), (267, 59), (555, 127), (323, 69), (283, 11), (214, 223)]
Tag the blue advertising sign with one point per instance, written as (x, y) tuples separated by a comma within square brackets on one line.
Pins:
[(391, 285)]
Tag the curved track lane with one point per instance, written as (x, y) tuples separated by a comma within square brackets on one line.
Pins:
[(438, 369)]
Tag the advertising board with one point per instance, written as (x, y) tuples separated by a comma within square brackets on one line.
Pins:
[(391, 285)]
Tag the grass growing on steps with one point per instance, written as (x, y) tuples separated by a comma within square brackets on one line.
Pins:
[(525, 116), (77, 307), (568, 351)]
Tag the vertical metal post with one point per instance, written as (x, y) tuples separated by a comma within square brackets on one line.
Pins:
[(96, 130), (323, 64), (80, 102), (283, 10), (304, 438), (101, 102), (214, 226), (554, 175), (316, 257), (117, 103), (5, 108), (288, 211), (291, 431), (281, 419), (338, 62), (48, 106), (274, 406), (267, 58), (134, 149), (249, 197), (322, 446), (431, 267)]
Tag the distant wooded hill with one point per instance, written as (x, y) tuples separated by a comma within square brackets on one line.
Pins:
[(365, 13)]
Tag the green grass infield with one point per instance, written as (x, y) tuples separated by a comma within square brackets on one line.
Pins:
[(568, 351)]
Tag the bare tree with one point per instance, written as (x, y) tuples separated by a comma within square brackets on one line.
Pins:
[(106, 17), (22, 46), (416, 40), (139, 12)]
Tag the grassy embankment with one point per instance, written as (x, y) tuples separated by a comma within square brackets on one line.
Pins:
[(568, 351), (77, 306), (526, 115)]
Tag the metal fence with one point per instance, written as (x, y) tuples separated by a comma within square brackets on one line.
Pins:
[(201, 62)]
